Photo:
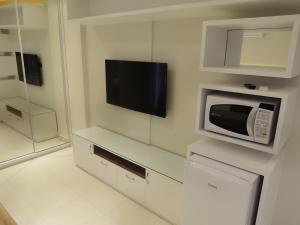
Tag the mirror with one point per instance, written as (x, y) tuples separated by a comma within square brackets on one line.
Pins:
[(15, 126), (259, 47), (44, 72)]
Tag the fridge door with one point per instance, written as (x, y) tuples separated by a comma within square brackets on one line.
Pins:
[(216, 197)]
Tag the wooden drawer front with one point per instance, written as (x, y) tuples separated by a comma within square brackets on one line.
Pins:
[(83, 153), (131, 185), (105, 170)]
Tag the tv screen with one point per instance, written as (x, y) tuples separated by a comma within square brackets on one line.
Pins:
[(33, 69), (139, 86)]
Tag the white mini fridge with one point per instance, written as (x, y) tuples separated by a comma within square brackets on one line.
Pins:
[(219, 194)]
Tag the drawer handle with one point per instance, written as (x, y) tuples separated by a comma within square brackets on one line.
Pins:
[(91, 150), (132, 179), (104, 164)]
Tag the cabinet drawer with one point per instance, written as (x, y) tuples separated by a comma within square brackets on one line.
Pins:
[(105, 170), (44, 126), (20, 124), (83, 156), (161, 187), (131, 185)]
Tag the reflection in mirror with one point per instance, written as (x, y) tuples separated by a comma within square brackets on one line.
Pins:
[(44, 73), (259, 48), (15, 129)]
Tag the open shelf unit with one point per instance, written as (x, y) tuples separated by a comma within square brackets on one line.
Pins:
[(216, 45), (287, 97), (103, 12), (30, 16)]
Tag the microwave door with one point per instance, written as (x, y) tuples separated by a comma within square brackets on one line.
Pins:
[(233, 120), (251, 121)]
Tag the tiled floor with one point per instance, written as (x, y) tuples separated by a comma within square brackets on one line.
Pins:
[(13, 144), (51, 191)]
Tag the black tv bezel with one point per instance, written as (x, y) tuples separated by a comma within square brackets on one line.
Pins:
[(38, 81), (163, 112)]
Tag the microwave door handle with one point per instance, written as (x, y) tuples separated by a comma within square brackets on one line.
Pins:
[(250, 121)]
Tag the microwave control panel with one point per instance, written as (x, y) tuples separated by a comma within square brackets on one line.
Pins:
[(263, 122)]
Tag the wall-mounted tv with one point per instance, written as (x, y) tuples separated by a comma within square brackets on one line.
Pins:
[(33, 69), (139, 86)]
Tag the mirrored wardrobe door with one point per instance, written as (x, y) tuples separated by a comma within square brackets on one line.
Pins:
[(44, 72), (15, 126)]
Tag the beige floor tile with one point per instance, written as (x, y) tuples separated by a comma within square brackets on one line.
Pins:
[(51, 190), (131, 213)]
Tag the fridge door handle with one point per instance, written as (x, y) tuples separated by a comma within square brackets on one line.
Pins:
[(217, 173)]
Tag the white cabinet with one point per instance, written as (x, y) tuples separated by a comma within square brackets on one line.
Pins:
[(32, 120), (44, 126), (19, 122), (85, 158), (223, 159), (158, 192), (213, 188), (104, 170), (164, 196), (131, 185), (83, 153)]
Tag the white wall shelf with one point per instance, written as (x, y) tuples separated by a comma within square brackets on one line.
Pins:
[(93, 12), (265, 165), (216, 45), (286, 96), (30, 16)]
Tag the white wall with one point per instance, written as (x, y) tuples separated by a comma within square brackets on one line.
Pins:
[(46, 44), (178, 44), (75, 77), (37, 42), (112, 6), (266, 48), (57, 70), (8, 43)]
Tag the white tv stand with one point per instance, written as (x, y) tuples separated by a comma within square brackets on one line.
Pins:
[(38, 122), (143, 172)]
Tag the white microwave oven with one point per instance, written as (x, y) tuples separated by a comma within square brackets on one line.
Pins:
[(245, 118)]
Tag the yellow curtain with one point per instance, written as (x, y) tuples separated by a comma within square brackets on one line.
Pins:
[(6, 2)]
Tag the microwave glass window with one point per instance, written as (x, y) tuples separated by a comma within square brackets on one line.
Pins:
[(230, 117)]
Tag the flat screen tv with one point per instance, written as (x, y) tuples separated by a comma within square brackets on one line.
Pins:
[(139, 86), (33, 69)]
